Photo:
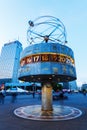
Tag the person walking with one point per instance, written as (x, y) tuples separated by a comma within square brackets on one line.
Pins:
[(14, 97), (2, 96)]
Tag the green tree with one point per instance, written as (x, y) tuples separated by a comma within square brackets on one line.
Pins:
[(57, 86)]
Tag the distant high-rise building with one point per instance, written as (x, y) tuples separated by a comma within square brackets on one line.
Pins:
[(65, 85), (73, 85), (9, 62)]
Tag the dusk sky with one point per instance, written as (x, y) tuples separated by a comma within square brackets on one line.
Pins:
[(15, 14)]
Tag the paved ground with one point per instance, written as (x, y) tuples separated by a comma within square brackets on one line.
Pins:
[(8, 121)]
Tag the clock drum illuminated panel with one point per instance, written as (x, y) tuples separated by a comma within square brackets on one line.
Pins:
[(47, 62)]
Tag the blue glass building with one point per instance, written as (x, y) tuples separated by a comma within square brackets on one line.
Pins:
[(9, 61)]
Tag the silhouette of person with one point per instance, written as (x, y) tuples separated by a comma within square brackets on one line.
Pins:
[(14, 96), (2, 96)]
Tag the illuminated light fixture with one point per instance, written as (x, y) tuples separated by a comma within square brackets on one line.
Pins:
[(53, 75), (68, 78), (58, 79)]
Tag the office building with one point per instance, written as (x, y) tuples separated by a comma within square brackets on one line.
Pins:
[(9, 62), (73, 85)]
